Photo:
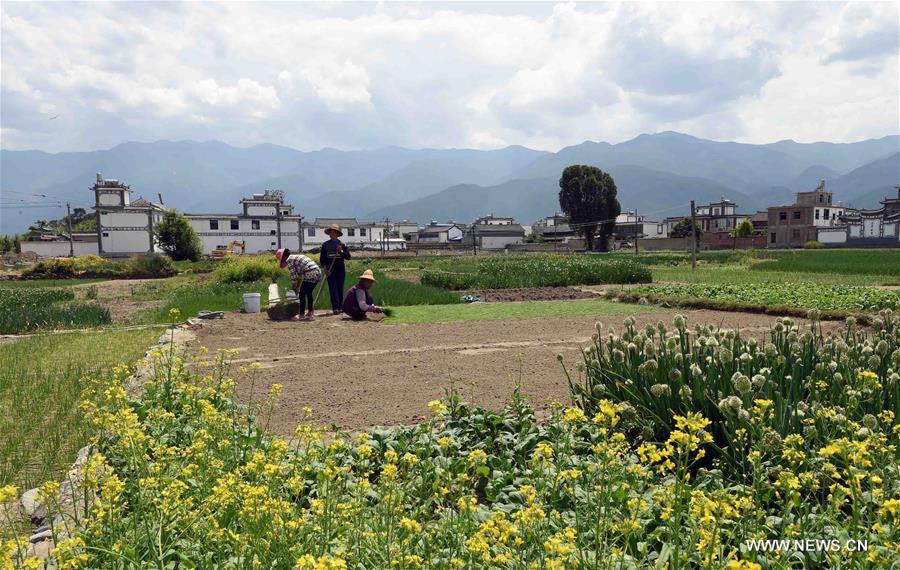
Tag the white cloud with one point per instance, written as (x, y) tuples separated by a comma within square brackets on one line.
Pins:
[(479, 75)]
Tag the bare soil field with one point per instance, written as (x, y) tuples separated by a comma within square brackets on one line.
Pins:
[(356, 375)]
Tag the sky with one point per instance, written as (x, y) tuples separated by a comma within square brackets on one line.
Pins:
[(85, 76)]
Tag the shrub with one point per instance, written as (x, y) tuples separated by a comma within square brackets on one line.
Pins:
[(149, 266), (813, 244), (246, 269), (177, 238)]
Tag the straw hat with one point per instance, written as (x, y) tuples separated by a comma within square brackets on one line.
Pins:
[(367, 274), (334, 228), (281, 255)]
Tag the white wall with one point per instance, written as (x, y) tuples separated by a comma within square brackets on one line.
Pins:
[(454, 234), (60, 248), (262, 210), (498, 242), (123, 219), (372, 237), (125, 242), (832, 236)]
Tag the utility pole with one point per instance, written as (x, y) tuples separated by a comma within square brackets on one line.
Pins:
[(278, 222), (300, 233), (69, 227), (636, 221), (693, 237), (474, 240)]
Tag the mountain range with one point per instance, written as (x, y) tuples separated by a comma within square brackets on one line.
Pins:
[(657, 174)]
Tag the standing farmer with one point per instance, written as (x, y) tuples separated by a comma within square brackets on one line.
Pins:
[(359, 303), (304, 276), (332, 256)]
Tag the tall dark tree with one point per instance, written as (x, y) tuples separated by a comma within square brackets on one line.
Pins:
[(588, 197), (682, 229), (177, 238)]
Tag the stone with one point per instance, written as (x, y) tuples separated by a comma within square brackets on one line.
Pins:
[(40, 536), (32, 508)]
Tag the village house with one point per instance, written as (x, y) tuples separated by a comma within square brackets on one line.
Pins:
[(436, 233), (792, 225), (630, 225), (878, 227), (357, 235), (124, 227), (497, 236), (265, 223), (492, 220), (553, 229), (402, 228)]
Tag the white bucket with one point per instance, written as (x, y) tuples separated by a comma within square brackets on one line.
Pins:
[(251, 302)]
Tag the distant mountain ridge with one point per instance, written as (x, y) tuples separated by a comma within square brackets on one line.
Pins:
[(657, 172)]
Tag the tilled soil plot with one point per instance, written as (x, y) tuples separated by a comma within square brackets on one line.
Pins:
[(530, 294), (356, 375)]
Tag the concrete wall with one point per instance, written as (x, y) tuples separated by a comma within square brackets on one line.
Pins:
[(833, 236), (498, 242), (60, 248), (125, 242), (123, 219)]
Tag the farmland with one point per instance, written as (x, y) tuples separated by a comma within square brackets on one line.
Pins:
[(519, 434)]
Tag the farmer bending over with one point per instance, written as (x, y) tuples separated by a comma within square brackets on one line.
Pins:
[(332, 256), (304, 276), (359, 303)]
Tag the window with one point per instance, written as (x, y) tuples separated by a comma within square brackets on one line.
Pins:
[(235, 225), (273, 244), (271, 232), (795, 234), (826, 213), (782, 216), (254, 224), (772, 237), (796, 215), (817, 213), (716, 211), (105, 234), (821, 198), (362, 232), (214, 224), (351, 232)]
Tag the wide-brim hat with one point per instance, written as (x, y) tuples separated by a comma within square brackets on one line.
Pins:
[(367, 274), (281, 255), (334, 228)]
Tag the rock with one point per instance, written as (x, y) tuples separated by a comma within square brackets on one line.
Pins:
[(32, 508), (40, 536)]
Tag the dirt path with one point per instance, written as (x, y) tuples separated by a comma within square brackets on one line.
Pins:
[(357, 375)]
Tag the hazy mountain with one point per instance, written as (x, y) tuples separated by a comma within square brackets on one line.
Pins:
[(656, 172), (810, 178), (744, 167), (865, 186), (654, 193)]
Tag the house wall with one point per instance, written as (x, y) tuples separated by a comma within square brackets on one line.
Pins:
[(317, 236), (833, 236), (454, 234), (261, 210), (263, 239), (498, 242), (60, 248)]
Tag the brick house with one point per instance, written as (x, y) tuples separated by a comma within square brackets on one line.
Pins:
[(792, 225)]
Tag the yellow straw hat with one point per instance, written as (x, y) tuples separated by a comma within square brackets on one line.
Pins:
[(335, 229), (367, 274)]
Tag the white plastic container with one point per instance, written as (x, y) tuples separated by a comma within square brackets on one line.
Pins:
[(251, 302)]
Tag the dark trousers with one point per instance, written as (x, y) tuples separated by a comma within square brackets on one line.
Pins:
[(336, 287), (305, 296)]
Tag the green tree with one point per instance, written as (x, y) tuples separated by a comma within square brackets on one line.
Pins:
[(588, 196), (743, 229), (682, 229), (177, 238)]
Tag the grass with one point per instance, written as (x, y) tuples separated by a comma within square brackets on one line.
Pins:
[(876, 262), (388, 292), (514, 310), (41, 426), (39, 283), (30, 309), (191, 298)]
